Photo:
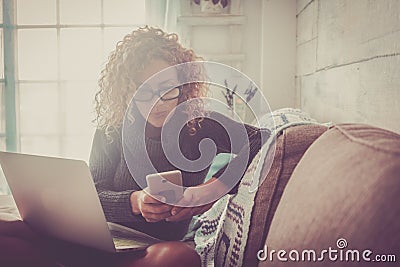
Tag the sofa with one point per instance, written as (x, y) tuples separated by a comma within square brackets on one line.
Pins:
[(329, 188)]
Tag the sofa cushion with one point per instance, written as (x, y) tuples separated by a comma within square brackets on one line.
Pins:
[(290, 147), (344, 194)]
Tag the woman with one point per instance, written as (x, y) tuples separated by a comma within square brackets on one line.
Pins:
[(140, 55)]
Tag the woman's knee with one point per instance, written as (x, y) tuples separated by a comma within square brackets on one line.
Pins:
[(172, 254), (15, 251), (17, 229)]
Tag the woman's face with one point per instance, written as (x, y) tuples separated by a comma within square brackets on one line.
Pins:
[(156, 110)]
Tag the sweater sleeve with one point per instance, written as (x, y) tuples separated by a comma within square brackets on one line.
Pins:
[(105, 157), (249, 145)]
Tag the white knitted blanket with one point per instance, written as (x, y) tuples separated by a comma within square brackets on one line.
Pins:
[(223, 230)]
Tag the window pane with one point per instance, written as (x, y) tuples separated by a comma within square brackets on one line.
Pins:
[(39, 109), (111, 37), (1, 11), (80, 12), (37, 54), (124, 12), (1, 55), (2, 110), (36, 12), (41, 145), (80, 54), (79, 104)]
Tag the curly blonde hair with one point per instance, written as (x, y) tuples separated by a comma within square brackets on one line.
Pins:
[(117, 79)]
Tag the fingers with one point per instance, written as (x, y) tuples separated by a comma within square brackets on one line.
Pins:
[(185, 201), (184, 213), (148, 199), (156, 208), (155, 217), (198, 195), (187, 213), (175, 210), (152, 209)]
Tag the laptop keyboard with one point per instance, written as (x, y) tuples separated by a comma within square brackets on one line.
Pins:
[(121, 243)]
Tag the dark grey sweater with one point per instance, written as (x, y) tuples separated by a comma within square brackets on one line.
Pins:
[(115, 184)]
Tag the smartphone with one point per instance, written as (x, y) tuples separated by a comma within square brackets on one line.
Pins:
[(166, 184)]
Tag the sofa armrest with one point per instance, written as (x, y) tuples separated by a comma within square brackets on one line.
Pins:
[(344, 195), (290, 147)]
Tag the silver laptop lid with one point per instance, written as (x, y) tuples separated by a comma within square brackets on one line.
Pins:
[(57, 197)]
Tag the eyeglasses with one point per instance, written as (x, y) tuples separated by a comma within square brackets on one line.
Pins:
[(165, 94)]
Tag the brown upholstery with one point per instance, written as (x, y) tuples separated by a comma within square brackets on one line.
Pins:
[(347, 185), (290, 147)]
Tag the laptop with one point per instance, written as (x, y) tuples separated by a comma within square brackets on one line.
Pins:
[(57, 197)]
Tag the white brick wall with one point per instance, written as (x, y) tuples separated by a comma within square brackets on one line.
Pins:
[(348, 61)]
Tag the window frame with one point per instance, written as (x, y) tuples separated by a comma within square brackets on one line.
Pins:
[(11, 80), (8, 81)]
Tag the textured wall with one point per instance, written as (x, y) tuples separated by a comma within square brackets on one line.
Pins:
[(278, 56), (348, 61)]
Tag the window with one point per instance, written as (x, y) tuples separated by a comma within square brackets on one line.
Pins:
[(2, 95), (60, 48)]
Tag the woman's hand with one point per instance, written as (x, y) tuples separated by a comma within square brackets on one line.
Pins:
[(151, 209), (197, 200)]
